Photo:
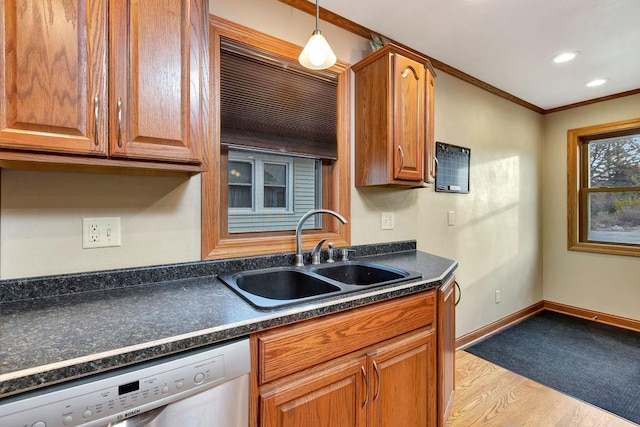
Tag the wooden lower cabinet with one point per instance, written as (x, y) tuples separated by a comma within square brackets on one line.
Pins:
[(393, 384), (402, 390), (446, 348), (331, 396), (391, 380)]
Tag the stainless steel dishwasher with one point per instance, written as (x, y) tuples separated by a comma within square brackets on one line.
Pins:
[(201, 388)]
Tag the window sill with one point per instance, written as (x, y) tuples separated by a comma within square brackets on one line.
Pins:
[(242, 247), (605, 248)]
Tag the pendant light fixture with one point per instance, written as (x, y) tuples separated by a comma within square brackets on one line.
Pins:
[(317, 54)]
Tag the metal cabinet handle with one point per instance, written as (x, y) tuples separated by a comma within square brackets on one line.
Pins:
[(119, 122), (96, 114), (375, 369), (401, 158), (366, 386), (459, 293)]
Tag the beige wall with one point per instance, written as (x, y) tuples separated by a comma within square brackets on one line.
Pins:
[(606, 283), (496, 238), (41, 221)]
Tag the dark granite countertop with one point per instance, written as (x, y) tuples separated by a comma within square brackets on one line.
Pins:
[(60, 328)]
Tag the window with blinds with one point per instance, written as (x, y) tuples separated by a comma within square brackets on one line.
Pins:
[(279, 146), (271, 105), (277, 124)]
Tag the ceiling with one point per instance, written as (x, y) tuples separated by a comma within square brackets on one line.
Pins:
[(509, 43)]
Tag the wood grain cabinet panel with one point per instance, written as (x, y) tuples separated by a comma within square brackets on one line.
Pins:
[(53, 68), (446, 348), (408, 156), (156, 79), (119, 79), (431, 162), (336, 377), (403, 383), (331, 396), (289, 349), (393, 112)]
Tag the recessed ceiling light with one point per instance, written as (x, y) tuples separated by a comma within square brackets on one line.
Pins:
[(565, 57), (597, 82)]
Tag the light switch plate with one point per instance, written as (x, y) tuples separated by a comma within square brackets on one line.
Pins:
[(451, 217)]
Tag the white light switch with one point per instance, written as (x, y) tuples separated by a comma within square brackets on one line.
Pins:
[(451, 218)]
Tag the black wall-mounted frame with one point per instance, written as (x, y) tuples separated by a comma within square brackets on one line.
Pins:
[(453, 168)]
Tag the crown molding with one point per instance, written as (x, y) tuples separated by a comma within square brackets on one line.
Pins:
[(362, 31)]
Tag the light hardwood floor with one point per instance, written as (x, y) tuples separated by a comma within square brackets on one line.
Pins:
[(488, 395)]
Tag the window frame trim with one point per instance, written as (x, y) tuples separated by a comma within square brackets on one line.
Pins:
[(216, 243), (576, 195)]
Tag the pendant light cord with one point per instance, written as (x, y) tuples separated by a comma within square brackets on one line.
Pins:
[(317, 12)]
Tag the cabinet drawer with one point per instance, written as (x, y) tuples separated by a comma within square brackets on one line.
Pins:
[(291, 348)]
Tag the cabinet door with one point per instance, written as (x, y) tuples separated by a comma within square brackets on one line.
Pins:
[(403, 385), (446, 348), (409, 130), (431, 163), (157, 63), (53, 76), (329, 397)]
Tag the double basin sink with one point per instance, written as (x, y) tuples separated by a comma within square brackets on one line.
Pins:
[(280, 286)]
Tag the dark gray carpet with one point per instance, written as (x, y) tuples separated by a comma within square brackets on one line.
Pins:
[(596, 363)]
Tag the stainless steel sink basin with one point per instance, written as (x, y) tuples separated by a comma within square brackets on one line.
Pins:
[(280, 286)]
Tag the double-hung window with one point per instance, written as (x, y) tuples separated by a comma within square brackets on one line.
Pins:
[(604, 188), (268, 192)]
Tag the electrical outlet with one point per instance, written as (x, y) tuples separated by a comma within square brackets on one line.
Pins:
[(387, 220), (94, 232), (498, 297), (100, 232)]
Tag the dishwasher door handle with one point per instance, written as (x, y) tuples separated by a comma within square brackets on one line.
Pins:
[(139, 420)]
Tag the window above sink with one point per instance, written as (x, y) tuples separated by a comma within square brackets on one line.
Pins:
[(244, 216)]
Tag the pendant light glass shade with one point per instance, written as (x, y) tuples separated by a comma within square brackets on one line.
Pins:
[(317, 54)]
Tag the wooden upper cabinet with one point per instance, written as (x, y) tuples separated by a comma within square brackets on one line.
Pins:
[(53, 68), (431, 162), (391, 111), (409, 90), (119, 79), (156, 79)]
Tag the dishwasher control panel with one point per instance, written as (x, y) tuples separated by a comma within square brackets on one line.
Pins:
[(113, 397)]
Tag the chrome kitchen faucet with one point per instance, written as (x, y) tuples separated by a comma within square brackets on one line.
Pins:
[(299, 260)]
